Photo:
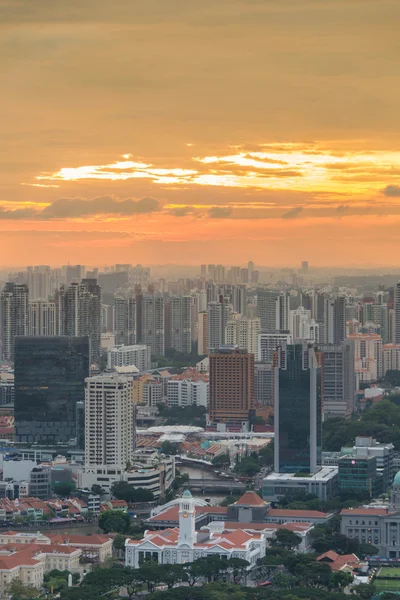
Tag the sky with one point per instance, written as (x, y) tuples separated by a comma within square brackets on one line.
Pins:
[(179, 131)]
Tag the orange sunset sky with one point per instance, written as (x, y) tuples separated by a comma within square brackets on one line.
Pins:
[(183, 131)]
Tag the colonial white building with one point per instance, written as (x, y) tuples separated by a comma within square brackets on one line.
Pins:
[(184, 544)]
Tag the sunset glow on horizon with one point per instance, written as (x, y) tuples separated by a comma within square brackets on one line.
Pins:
[(161, 132)]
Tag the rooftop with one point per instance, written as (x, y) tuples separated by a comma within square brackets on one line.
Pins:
[(323, 473)]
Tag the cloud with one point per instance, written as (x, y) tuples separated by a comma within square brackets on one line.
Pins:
[(293, 213), (79, 207), (392, 191), (70, 208), (219, 212), (181, 211)]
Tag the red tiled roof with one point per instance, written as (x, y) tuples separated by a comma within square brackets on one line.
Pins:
[(229, 525), (250, 499), (365, 511), (84, 540)]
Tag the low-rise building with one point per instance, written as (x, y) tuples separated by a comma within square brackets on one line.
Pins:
[(185, 544), (188, 389), (379, 526), (322, 484)]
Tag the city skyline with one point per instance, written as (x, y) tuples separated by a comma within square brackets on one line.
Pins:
[(187, 134)]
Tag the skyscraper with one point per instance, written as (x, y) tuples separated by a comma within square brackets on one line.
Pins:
[(125, 319), (41, 318), (243, 332), (267, 301), (231, 385), (38, 278), (78, 313), (397, 314), (339, 380), (298, 411), (109, 422), (153, 323), (335, 319), (14, 316), (219, 313), (180, 320), (202, 326), (49, 381)]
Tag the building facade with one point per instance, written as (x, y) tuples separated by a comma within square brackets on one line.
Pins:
[(49, 381), (231, 385), (125, 356)]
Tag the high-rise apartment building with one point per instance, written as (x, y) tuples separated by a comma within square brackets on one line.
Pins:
[(202, 327), (41, 318), (180, 323), (49, 381), (14, 316), (396, 319), (125, 356), (219, 313), (231, 385), (368, 353), (243, 332), (298, 411), (78, 313), (39, 282), (125, 318), (267, 309), (302, 326), (153, 323), (269, 342), (335, 319), (338, 390), (109, 422)]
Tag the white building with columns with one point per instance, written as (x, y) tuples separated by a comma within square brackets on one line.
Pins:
[(184, 544)]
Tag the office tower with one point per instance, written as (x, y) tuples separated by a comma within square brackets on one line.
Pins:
[(80, 425), (220, 273), (231, 385), (263, 384), (243, 332), (283, 306), (250, 269), (14, 316), (335, 320), (203, 271), (298, 411), (78, 313), (396, 306), (119, 328), (109, 421), (338, 389), (269, 342), (153, 323), (179, 325), (41, 318), (202, 326), (49, 380), (125, 356), (38, 279), (219, 313)]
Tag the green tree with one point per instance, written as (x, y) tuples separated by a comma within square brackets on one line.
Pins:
[(340, 580), (150, 574), (97, 489), (286, 539), (171, 575), (114, 521), (119, 543), (221, 461), (18, 591), (63, 488), (248, 466), (229, 500), (169, 448), (124, 491), (238, 567), (366, 591)]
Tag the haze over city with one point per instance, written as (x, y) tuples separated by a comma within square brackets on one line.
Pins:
[(170, 132)]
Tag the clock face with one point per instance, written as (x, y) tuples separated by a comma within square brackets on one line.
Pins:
[(185, 515)]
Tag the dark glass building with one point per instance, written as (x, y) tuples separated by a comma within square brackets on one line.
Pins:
[(49, 382), (298, 410)]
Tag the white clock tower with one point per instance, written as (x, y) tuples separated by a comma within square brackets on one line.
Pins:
[(187, 520)]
